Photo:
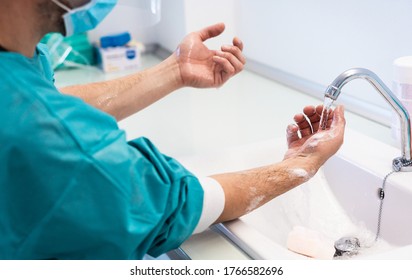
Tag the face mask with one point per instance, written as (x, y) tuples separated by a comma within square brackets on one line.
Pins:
[(86, 17)]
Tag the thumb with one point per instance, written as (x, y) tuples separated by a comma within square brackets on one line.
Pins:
[(211, 31)]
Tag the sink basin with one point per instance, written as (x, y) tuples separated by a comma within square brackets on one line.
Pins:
[(342, 199)]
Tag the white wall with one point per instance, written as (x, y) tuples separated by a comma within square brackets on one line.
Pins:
[(315, 40), (204, 13), (122, 19), (319, 39), (172, 27), (180, 17)]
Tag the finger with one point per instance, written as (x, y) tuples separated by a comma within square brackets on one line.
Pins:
[(330, 118), (234, 50), (303, 124), (292, 134), (211, 31), (313, 116), (338, 121), (226, 66), (238, 43), (319, 109), (310, 112), (319, 112), (299, 118), (237, 65)]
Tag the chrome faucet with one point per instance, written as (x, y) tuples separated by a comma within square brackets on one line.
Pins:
[(403, 163)]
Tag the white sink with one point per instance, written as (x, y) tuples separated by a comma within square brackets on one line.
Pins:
[(341, 200)]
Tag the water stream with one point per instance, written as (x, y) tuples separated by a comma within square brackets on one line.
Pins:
[(327, 104), (367, 245)]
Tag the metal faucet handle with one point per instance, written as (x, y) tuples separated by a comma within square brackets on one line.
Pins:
[(334, 90)]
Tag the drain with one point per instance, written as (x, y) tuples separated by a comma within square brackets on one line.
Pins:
[(347, 246)]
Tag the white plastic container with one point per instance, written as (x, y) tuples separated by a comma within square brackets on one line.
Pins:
[(402, 88), (121, 58)]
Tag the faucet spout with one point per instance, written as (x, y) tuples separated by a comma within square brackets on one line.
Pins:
[(403, 163)]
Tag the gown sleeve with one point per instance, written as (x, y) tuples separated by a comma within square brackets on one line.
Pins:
[(79, 190)]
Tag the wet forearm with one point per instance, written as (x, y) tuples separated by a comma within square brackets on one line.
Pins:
[(125, 96), (250, 189)]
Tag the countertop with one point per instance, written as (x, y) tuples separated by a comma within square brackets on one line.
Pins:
[(193, 122)]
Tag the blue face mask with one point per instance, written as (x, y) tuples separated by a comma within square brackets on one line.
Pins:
[(86, 17)]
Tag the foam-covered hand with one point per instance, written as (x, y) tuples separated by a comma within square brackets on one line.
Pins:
[(317, 145)]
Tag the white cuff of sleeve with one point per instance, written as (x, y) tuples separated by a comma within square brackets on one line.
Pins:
[(213, 203)]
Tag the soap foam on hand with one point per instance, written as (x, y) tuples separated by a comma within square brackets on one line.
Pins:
[(310, 243)]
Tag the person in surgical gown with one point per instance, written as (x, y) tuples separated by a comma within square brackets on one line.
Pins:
[(72, 187)]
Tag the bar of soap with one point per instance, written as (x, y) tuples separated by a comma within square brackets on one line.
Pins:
[(310, 243)]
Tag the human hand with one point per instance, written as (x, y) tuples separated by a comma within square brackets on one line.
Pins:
[(204, 68), (317, 145)]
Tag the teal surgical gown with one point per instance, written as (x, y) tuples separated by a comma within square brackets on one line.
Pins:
[(72, 187)]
